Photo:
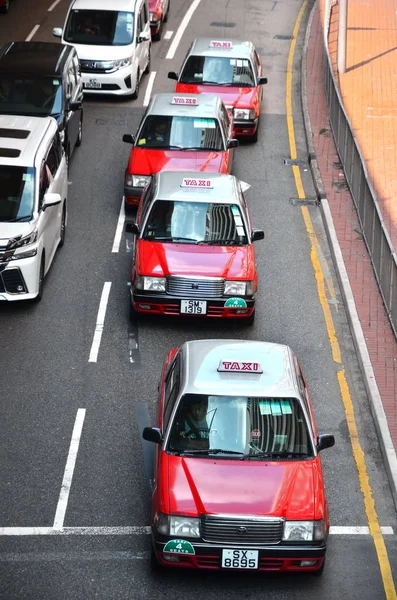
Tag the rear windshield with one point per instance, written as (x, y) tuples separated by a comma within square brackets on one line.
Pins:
[(100, 27), (196, 223), (16, 193), (181, 133), (27, 95), (211, 70)]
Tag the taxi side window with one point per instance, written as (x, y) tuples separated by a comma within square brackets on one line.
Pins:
[(44, 182), (144, 13), (145, 203), (52, 161), (172, 384), (257, 64), (301, 383), (140, 26), (225, 120)]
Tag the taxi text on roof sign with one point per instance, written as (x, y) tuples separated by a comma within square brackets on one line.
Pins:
[(221, 44), (196, 183), (239, 366), (182, 100)]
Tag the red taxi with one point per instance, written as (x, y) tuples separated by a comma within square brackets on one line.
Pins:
[(232, 69), (159, 10), (193, 251), (179, 132), (238, 481)]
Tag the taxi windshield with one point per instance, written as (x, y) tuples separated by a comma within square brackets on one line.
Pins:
[(100, 27), (246, 428), (196, 223), (213, 70), (181, 133), (16, 193)]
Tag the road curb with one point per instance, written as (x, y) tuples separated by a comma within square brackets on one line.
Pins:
[(375, 400)]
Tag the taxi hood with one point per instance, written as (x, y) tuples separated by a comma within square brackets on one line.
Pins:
[(162, 259), (146, 162), (212, 486), (232, 96)]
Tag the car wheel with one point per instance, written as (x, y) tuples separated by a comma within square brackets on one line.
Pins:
[(136, 91), (147, 70), (80, 134), (319, 571), (41, 280), (254, 138), (4, 9), (63, 227)]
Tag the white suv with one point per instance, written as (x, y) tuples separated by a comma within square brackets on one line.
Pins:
[(33, 194)]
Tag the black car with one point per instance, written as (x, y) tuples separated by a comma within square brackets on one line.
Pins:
[(43, 79)]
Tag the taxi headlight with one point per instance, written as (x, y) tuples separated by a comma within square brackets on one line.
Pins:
[(185, 527), (244, 113), (303, 531), (150, 284), (235, 288), (140, 180)]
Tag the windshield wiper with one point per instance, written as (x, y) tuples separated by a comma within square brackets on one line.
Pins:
[(197, 148), (274, 455), (212, 451), (221, 242)]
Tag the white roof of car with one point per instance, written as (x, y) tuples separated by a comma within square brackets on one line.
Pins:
[(239, 49), (215, 187), (116, 5), (23, 134), (202, 358), (207, 107)]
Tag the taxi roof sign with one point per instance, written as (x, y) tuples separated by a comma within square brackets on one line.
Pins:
[(182, 100), (239, 366), (221, 44), (188, 182)]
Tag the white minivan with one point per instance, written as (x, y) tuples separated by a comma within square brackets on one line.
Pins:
[(113, 43)]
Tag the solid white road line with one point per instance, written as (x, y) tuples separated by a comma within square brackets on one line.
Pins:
[(32, 33), (96, 342), (53, 5), (68, 475), (137, 530), (119, 228), (181, 29), (149, 88), (168, 35)]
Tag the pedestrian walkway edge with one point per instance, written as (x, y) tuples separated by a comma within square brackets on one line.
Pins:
[(375, 401)]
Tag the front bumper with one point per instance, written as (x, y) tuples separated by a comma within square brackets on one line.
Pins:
[(132, 195), (245, 127), (275, 558), (120, 83), (162, 304), (19, 280)]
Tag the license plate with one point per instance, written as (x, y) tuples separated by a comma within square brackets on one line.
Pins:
[(240, 559), (193, 307), (93, 84)]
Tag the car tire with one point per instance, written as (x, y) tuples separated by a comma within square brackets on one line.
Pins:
[(135, 93), (254, 138), (41, 280), (319, 571), (5, 9), (147, 70), (80, 134), (63, 227)]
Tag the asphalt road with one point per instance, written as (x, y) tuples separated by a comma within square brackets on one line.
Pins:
[(46, 376)]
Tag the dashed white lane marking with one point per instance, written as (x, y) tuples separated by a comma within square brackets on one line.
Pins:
[(181, 29), (149, 88), (144, 530), (100, 321), (32, 33), (53, 5), (168, 35), (69, 469), (119, 228)]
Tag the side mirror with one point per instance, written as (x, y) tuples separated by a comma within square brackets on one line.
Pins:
[(262, 80), (232, 144), (57, 32), (132, 228), (326, 440), (51, 200), (128, 138), (152, 434), (75, 105), (257, 234), (173, 75), (142, 38)]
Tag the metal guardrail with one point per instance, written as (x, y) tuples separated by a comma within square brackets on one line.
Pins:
[(375, 234)]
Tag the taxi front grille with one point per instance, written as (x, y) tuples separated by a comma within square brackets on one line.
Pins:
[(187, 287), (242, 532)]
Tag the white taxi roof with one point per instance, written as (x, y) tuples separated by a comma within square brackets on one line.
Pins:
[(204, 47), (215, 187), (201, 360), (161, 105)]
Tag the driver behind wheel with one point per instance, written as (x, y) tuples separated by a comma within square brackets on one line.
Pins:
[(193, 430)]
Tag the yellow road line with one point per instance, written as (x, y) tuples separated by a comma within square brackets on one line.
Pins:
[(358, 453)]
